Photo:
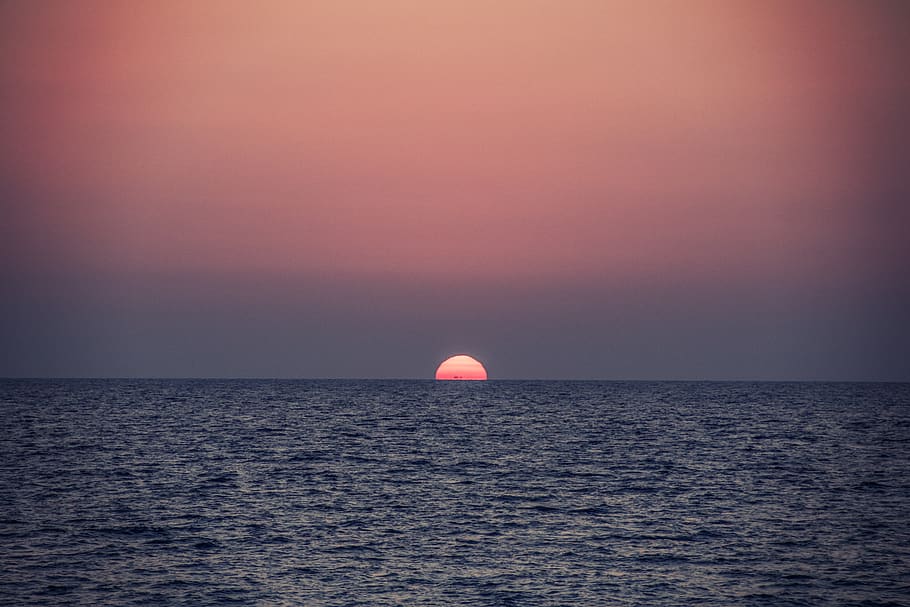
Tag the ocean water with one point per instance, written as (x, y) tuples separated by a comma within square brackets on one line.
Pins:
[(148, 492)]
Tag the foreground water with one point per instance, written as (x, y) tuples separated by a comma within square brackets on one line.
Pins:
[(422, 493)]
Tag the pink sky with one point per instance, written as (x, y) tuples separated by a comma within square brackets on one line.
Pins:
[(521, 143)]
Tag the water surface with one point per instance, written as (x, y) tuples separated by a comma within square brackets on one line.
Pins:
[(129, 492)]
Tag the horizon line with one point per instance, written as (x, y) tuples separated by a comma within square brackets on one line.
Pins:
[(432, 379)]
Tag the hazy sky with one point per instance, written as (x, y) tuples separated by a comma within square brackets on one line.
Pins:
[(567, 189)]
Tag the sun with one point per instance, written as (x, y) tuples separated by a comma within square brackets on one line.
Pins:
[(461, 366)]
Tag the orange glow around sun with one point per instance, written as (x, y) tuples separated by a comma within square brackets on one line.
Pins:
[(461, 367)]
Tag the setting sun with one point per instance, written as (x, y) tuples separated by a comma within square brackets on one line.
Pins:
[(461, 367)]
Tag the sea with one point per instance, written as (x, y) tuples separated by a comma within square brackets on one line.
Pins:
[(497, 493)]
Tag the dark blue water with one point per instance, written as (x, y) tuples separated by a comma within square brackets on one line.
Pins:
[(417, 493)]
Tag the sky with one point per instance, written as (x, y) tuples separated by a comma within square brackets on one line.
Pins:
[(563, 189)]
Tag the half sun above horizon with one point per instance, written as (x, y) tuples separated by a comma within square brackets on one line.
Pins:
[(461, 366)]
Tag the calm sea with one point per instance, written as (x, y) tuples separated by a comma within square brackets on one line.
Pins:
[(129, 492)]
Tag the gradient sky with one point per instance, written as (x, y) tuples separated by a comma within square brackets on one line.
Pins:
[(565, 189)]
